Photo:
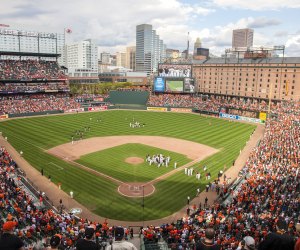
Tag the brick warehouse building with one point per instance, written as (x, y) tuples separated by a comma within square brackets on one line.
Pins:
[(257, 78)]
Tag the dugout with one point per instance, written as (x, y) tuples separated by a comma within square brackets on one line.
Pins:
[(128, 97)]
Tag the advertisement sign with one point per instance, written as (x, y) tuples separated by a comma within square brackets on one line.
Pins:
[(74, 110), (3, 117), (183, 110), (157, 109), (159, 84), (189, 85), (97, 108), (174, 85), (240, 118), (175, 70), (263, 116), (233, 117)]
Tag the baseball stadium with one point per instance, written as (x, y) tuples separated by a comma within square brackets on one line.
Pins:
[(166, 165)]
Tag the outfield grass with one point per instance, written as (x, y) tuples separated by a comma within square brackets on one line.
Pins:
[(112, 162), (34, 135)]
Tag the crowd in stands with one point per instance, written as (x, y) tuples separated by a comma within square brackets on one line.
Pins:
[(211, 104), (265, 207), (29, 69), (36, 103), (263, 212), (33, 87)]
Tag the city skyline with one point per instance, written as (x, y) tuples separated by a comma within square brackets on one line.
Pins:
[(211, 20)]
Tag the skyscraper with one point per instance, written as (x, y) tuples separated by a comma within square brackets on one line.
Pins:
[(242, 38), (150, 50), (197, 45)]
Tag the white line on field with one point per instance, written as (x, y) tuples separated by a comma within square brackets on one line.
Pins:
[(60, 168)]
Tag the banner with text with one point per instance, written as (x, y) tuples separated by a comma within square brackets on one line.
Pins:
[(3, 117), (157, 109), (74, 110), (184, 110), (97, 108), (240, 118)]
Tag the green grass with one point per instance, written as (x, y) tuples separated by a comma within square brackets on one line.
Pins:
[(33, 135), (112, 162)]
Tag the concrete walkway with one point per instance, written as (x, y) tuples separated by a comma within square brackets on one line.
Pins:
[(55, 194)]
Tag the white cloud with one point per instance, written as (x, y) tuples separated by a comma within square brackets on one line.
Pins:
[(110, 23), (293, 45), (257, 4)]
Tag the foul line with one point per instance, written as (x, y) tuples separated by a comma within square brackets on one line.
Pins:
[(60, 168)]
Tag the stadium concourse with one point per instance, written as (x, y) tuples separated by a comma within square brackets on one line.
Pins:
[(263, 204)]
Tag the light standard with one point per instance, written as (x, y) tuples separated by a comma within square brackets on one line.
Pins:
[(143, 203)]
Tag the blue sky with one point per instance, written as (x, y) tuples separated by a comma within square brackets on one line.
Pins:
[(112, 23)]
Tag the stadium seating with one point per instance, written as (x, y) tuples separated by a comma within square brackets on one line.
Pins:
[(29, 70), (267, 192)]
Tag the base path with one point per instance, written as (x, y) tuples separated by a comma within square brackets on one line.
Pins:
[(55, 194), (70, 151)]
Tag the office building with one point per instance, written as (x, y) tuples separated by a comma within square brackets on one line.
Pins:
[(130, 57), (121, 59), (82, 59), (242, 38), (150, 49), (105, 58)]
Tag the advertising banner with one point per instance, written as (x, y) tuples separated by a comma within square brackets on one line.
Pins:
[(97, 108), (233, 117), (159, 84), (240, 118), (3, 117), (263, 116), (74, 110), (184, 110), (157, 109)]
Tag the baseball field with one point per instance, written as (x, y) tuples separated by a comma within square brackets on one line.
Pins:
[(106, 153)]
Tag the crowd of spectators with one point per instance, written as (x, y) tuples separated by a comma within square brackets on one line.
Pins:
[(33, 87), (18, 104), (265, 206), (29, 70), (262, 212), (204, 103)]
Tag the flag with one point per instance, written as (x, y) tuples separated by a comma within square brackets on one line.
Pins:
[(68, 31), (287, 87), (3, 25)]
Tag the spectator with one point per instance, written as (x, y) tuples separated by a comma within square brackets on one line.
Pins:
[(208, 242), (87, 243), (119, 242), (55, 241), (248, 243), (279, 240), (8, 240)]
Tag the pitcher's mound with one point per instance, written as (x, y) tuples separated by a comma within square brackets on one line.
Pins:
[(134, 160)]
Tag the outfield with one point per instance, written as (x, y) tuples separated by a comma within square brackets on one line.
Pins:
[(35, 135)]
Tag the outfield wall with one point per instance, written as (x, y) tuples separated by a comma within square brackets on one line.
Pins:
[(129, 97)]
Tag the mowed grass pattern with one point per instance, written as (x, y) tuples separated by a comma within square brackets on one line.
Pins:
[(112, 162), (33, 135)]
